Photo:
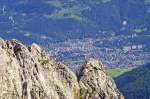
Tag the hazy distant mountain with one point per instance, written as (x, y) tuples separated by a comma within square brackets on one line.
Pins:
[(135, 84), (58, 20)]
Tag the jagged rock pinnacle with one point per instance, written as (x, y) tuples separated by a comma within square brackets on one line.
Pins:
[(95, 83), (27, 73)]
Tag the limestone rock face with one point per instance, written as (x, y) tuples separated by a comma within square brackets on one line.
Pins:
[(28, 73), (95, 83)]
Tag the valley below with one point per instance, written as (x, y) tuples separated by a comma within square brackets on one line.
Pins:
[(74, 52)]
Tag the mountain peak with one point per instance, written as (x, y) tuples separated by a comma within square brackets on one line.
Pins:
[(27, 73), (36, 47), (94, 63), (95, 83)]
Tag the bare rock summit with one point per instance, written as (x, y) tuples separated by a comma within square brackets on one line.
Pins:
[(28, 73), (95, 83)]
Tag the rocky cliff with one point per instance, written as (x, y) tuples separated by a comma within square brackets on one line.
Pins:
[(28, 73)]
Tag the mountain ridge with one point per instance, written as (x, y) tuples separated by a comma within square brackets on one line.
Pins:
[(62, 20), (135, 83), (28, 73)]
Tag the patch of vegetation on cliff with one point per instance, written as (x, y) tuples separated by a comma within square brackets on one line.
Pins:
[(44, 62)]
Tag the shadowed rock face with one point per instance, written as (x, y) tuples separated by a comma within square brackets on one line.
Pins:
[(28, 73)]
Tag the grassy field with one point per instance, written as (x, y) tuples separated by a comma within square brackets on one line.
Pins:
[(116, 72)]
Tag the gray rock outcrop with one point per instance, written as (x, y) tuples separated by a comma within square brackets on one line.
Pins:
[(95, 83), (28, 73)]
